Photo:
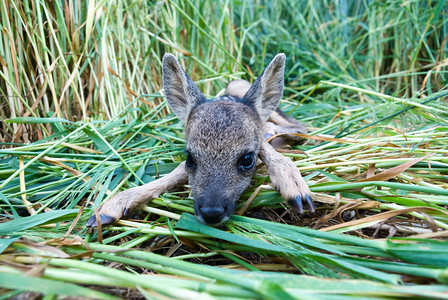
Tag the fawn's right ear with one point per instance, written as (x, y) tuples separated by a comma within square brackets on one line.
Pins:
[(181, 92)]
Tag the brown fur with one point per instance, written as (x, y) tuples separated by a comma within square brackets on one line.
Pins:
[(124, 202), (285, 177), (237, 88), (218, 134), (223, 138), (278, 122)]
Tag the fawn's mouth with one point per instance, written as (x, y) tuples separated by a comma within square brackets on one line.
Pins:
[(200, 219), (211, 213)]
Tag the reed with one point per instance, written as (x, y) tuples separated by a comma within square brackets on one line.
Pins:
[(83, 117)]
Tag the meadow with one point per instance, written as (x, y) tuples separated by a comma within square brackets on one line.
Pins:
[(83, 116)]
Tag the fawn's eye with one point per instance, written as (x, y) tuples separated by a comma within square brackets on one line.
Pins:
[(190, 163), (247, 161)]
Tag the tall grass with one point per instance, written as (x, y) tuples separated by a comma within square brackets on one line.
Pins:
[(83, 116), (88, 60)]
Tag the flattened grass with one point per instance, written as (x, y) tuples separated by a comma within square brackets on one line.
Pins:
[(83, 117)]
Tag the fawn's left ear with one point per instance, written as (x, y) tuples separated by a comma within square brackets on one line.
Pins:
[(266, 92), (181, 92)]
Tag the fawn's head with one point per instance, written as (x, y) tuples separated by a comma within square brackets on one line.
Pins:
[(223, 135)]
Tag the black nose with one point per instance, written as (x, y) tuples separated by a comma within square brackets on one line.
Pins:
[(211, 212), (212, 215)]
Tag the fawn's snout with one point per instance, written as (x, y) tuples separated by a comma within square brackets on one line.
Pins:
[(213, 211)]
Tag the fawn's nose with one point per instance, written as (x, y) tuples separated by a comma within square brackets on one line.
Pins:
[(212, 213)]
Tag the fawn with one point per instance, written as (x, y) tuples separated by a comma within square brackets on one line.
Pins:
[(224, 136)]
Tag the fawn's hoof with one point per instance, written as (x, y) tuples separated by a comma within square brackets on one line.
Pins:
[(104, 219), (297, 203)]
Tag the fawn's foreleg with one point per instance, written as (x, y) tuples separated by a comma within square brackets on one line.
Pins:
[(126, 201), (286, 178)]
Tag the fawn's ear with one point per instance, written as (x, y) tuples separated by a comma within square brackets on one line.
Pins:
[(266, 92), (181, 92)]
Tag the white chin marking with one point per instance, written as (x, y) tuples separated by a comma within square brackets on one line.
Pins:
[(224, 219), (200, 219)]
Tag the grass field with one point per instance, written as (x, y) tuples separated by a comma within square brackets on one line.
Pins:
[(83, 116)]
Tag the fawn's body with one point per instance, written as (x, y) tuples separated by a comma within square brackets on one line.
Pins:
[(224, 137)]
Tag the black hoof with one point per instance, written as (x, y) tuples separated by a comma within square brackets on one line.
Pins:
[(297, 205), (104, 219), (126, 212)]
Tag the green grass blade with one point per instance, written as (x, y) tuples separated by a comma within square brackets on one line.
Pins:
[(47, 286), (24, 223)]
